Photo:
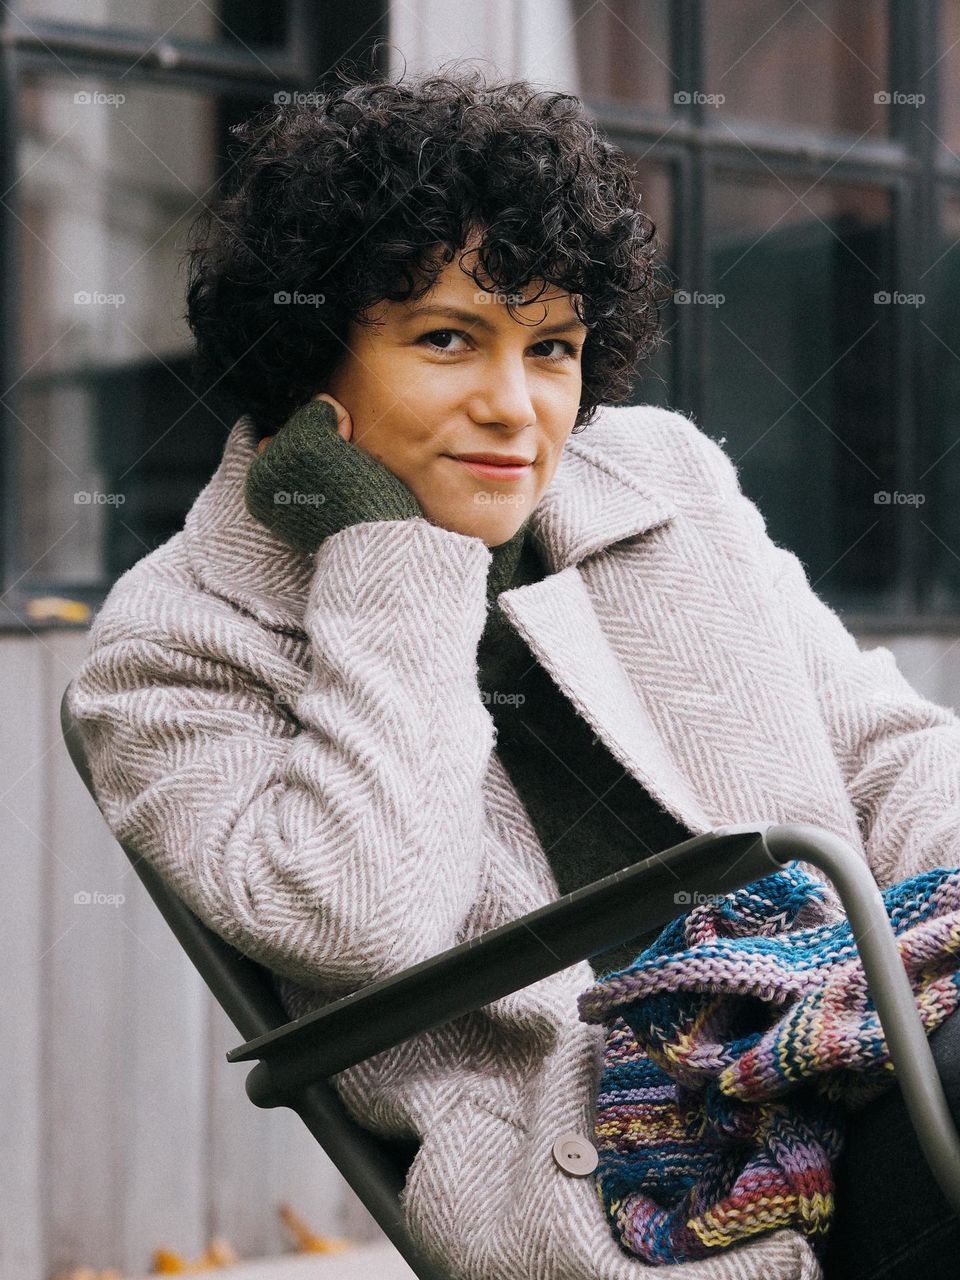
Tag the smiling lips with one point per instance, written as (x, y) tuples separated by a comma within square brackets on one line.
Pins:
[(492, 466)]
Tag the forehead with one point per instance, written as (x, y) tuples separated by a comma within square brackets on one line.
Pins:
[(454, 288)]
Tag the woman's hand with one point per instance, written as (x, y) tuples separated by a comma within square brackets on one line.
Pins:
[(309, 480), (344, 421)]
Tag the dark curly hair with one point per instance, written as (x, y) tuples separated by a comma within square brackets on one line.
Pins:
[(365, 191)]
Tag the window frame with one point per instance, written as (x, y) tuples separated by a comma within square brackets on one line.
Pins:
[(909, 162), (319, 39)]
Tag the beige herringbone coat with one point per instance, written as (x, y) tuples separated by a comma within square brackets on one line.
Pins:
[(299, 745)]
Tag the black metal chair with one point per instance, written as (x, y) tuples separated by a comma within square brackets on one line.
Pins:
[(296, 1058)]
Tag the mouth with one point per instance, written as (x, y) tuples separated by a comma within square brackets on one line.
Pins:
[(494, 471)]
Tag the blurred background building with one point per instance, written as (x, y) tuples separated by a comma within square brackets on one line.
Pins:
[(802, 164)]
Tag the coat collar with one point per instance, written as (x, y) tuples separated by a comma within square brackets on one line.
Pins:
[(642, 690), (591, 502)]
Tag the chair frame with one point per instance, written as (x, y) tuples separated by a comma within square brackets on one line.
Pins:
[(294, 1059)]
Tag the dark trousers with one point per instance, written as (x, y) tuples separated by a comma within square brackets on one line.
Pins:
[(891, 1220)]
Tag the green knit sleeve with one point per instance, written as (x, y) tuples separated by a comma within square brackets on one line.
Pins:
[(309, 482)]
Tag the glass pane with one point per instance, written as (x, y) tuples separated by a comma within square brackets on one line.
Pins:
[(623, 51), (241, 22), (819, 65), (939, 477), (655, 383), (800, 371), (948, 65), (112, 439)]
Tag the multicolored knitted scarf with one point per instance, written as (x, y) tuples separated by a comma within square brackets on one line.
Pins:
[(738, 1044)]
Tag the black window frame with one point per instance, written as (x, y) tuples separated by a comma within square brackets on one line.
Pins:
[(690, 142), (320, 37)]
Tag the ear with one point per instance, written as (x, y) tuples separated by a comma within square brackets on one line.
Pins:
[(344, 421)]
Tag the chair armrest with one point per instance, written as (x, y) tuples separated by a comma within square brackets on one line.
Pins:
[(515, 955), (603, 915)]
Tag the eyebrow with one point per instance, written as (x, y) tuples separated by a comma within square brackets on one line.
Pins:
[(481, 322)]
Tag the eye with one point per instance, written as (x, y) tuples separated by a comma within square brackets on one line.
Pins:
[(442, 333), (569, 351)]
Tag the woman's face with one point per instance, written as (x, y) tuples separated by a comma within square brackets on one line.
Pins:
[(424, 387)]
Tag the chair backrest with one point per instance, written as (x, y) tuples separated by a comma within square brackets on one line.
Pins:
[(246, 992)]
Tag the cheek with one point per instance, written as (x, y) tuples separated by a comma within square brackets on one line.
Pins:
[(399, 440), (415, 400)]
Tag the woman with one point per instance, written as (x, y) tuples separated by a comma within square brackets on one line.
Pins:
[(375, 699)]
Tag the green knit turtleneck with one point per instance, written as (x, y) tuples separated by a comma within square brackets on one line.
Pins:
[(506, 559)]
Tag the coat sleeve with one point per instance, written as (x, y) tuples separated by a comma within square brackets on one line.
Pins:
[(336, 844), (898, 751)]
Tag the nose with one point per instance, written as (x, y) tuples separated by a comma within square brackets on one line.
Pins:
[(504, 395)]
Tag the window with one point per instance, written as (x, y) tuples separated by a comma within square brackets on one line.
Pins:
[(242, 25), (807, 158), (118, 119)]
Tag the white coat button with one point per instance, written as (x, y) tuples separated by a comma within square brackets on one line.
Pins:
[(575, 1154)]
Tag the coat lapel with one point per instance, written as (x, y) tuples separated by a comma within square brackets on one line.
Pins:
[(592, 503), (558, 622)]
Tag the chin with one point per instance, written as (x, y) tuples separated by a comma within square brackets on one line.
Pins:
[(501, 535), (489, 532)]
